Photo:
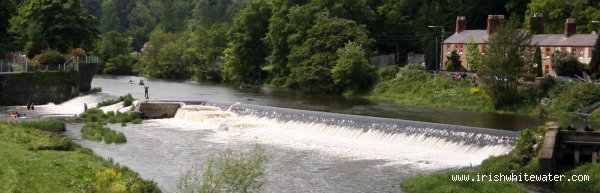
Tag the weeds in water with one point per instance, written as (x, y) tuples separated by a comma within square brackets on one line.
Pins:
[(229, 172), (97, 132), (127, 101), (98, 116)]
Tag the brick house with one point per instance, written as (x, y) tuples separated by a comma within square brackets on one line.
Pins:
[(579, 44)]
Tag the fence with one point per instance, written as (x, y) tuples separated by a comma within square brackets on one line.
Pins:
[(22, 64)]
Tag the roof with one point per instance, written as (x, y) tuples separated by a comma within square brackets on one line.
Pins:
[(481, 36), (477, 36)]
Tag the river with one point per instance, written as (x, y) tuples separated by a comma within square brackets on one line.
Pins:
[(314, 143)]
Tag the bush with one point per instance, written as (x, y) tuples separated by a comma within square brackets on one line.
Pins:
[(96, 89), (442, 183), (230, 172), (570, 97), (352, 71), (387, 73), (415, 67), (50, 57), (566, 64), (593, 185), (127, 101), (96, 115), (119, 65)]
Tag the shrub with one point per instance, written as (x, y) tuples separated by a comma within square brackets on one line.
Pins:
[(496, 164), (566, 64), (593, 185), (524, 150), (96, 89), (387, 73), (50, 57), (119, 65), (229, 172), (352, 71), (415, 67)]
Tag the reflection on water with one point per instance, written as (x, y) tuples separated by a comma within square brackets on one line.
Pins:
[(190, 90)]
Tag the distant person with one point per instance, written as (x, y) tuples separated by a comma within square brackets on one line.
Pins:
[(84, 106), (146, 92), (32, 106), (130, 81), (28, 104), (141, 82)]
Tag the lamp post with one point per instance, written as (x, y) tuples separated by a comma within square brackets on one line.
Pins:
[(438, 57)]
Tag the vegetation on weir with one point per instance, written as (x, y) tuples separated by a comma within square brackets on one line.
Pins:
[(126, 99), (228, 172), (523, 158), (30, 154), (97, 132)]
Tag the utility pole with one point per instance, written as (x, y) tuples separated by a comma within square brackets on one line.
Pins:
[(441, 51)]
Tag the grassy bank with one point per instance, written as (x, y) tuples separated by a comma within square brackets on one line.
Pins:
[(34, 160), (549, 98)]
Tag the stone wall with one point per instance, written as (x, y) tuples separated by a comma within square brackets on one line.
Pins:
[(86, 74), (40, 87), (157, 110)]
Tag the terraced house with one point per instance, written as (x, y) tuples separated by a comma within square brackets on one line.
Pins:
[(581, 45)]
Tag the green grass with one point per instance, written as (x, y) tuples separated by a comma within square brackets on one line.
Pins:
[(97, 132), (127, 101), (442, 183), (593, 171), (98, 116), (45, 125), (70, 168)]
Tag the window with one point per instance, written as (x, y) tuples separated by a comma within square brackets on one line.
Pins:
[(581, 54), (547, 52)]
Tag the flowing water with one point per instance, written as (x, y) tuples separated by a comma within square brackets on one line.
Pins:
[(307, 150)]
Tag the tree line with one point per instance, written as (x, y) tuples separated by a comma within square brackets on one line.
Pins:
[(312, 45)]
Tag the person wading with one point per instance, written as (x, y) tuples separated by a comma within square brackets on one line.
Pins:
[(146, 91)]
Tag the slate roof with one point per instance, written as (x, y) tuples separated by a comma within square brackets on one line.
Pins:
[(481, 36)]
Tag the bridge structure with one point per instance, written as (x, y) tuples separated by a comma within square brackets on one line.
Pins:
[(19, 63)]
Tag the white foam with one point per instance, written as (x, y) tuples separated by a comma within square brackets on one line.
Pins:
[(356, 143)]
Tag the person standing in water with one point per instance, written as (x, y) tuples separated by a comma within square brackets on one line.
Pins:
[(146, 91), (84, 106)]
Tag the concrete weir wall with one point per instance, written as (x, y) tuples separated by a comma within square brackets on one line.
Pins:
[(158, 110)]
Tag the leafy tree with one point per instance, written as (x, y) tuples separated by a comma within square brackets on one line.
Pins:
[(65, 24), (556, 11), (119, 65), (110, 16), (36, 42), (504, 63), (352, 71), (473, 56), (166, 56), (247, 52), (7, 10), (454, 63), (141, 24), (566, 64), (112, 44), (94, 7), (595, 61), (50, 57), (210, 12), (174, 15)]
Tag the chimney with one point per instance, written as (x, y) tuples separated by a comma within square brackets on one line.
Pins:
[(570, 27), (461, 24), (493, 22), (536, 23)]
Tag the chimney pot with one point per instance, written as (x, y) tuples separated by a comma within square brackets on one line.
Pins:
[(461, 24), (536, 23), (570, 27), (493, 22)]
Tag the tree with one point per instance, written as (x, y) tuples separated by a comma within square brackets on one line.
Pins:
[(6, 11), (453, 63), (352, 71), (556, 11), (595, 61), (174, 15), (505, 61), (473, 56), (566, 64), (65, 24), (112, 44), (247, 52), (141, 24), (109, 20)]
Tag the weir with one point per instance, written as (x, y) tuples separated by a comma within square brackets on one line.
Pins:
[(369, 131)]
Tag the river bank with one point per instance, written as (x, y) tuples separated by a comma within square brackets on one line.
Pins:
[(35, 158)]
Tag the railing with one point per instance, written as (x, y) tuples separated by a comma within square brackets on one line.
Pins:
[(20, 63)]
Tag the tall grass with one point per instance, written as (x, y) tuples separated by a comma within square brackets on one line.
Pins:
[(127, 101), (45, 125), (97, 132), (60, 166), (98, 116)]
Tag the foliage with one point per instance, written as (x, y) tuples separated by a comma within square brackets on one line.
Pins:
[(246, 51), (352, 70), (387, 73), (497, 165), (69, 27), (50, 57), (97, 132), (473, 56), (112, 44), (96, 89), (504, 62), (537, 59), (453, 63), (228, 173), (164, 56), (555, 12), (442, 182), (45, 125), (73, 168), (593, 185), (565, 98), (416, 87), (524, 150), (120, 65), (566, 64), (126, 99)]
